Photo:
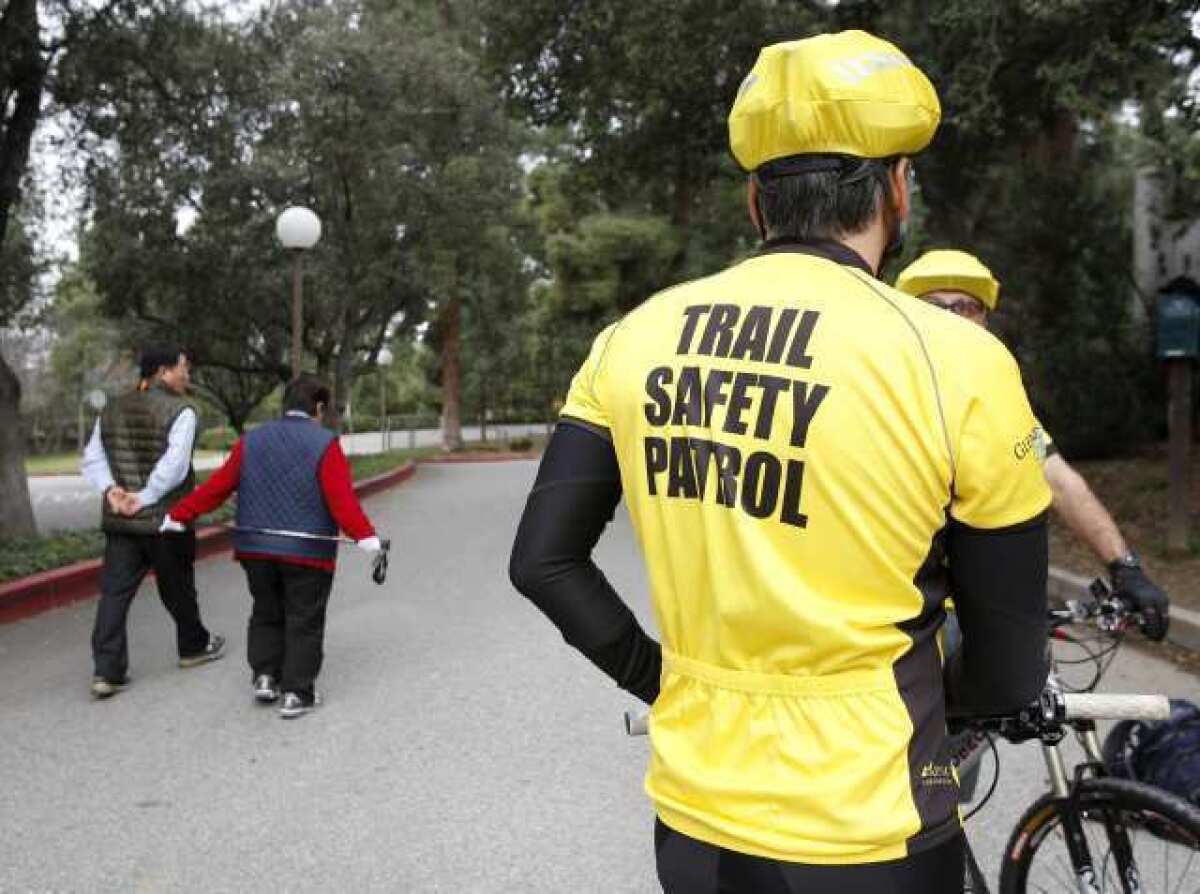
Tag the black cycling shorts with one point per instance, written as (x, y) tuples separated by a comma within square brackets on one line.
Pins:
[(688, 866)]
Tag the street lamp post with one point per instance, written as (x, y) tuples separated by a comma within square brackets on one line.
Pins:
[(297, 230)]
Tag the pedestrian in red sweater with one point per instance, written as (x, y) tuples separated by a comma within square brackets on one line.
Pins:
[(294, 492)]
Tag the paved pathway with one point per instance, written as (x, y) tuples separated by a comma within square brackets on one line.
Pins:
[(463, 746)]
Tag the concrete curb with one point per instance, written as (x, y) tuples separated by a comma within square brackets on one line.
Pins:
[(28, 596), (451, 458), (1185, 623)]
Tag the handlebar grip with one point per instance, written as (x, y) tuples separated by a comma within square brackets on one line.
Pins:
[(637, 723), (1092, 706)]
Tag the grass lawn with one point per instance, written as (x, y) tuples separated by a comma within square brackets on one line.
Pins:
[(68, 463)]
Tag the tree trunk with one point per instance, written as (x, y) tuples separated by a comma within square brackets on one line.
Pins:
[(237, 421), (681, 214), (449, 324), (16, 511), (22, 77), (681, 206), (483, 407), (343, 379), (22, 80)]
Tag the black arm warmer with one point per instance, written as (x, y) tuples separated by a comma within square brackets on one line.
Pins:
[(999, 580), (577, 490)]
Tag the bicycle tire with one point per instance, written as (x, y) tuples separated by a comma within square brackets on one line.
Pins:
[(1154, 817)]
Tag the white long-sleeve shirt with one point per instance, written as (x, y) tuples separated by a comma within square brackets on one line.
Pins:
[(167, 474)]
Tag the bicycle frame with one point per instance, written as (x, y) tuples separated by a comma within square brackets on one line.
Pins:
[(1077, 847), (1064, 788)]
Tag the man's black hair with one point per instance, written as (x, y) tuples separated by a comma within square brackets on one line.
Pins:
[(303, 393), (824, 202), (155, 356)]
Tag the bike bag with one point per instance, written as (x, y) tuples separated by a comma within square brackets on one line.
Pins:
[(1162, 753)]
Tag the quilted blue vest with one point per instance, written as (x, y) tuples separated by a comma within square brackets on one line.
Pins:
[(280, 489)]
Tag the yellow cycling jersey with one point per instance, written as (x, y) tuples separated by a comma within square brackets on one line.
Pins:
[(791, 435)]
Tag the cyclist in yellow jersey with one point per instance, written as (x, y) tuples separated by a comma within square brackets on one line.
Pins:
[(959, 282), (808, 458)]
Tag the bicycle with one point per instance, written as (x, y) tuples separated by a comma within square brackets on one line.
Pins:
[(1137, 831), (1051, 847)]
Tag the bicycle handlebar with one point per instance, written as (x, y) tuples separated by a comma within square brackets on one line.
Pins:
[(1093, 706), (637, 723)]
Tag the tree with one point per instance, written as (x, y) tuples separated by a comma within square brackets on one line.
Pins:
[(643, 88), (84, 346), (1030, 170), (495, 300), (180, 243), (31, 58), (367, 112), (637, 191), (216, 288), (23, 67), (348, 94), (1021, 171)]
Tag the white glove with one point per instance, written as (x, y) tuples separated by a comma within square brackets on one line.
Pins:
[(369, 545), (170, 526)]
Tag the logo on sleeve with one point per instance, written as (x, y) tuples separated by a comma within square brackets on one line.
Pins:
[(937, 774), (1033, 443)]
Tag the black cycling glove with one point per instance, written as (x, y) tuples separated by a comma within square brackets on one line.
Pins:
[(1130, 582)]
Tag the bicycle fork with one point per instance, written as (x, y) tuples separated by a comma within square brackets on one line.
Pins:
[(1072, 818)]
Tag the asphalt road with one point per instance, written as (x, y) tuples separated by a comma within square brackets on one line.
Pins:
[(68, 503), (462, 747)]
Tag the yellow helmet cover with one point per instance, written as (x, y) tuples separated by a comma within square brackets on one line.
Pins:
[(849, 93), (950, 270)]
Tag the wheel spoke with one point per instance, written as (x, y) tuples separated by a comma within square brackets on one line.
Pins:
[(1183, 875)]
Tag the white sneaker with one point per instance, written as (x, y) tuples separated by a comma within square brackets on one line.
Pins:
[(266, 690), (294, 705)]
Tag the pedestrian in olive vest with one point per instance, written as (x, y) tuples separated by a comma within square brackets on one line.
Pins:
[(140, 458)]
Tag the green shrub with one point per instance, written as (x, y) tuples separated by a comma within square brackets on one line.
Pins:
[(21, 557), (222, 438), (520, 445)]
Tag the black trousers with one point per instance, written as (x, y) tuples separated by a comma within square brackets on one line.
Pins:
[(127, 559), (286, 635), (688, 866)]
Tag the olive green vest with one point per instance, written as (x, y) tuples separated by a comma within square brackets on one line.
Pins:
[(134, 430)]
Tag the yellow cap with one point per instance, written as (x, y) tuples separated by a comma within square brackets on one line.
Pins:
[(848, 93), (949, 270)]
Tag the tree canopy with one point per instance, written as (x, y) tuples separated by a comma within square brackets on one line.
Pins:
[(496, 181)]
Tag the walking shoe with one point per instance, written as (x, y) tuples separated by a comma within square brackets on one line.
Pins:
[(294, 705), (266, 690), (102, 688), (213, 651)]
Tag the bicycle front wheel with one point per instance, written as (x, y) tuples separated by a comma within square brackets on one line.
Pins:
[(1163, 832)]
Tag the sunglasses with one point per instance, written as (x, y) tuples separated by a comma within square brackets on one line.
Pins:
[(964, 306)]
